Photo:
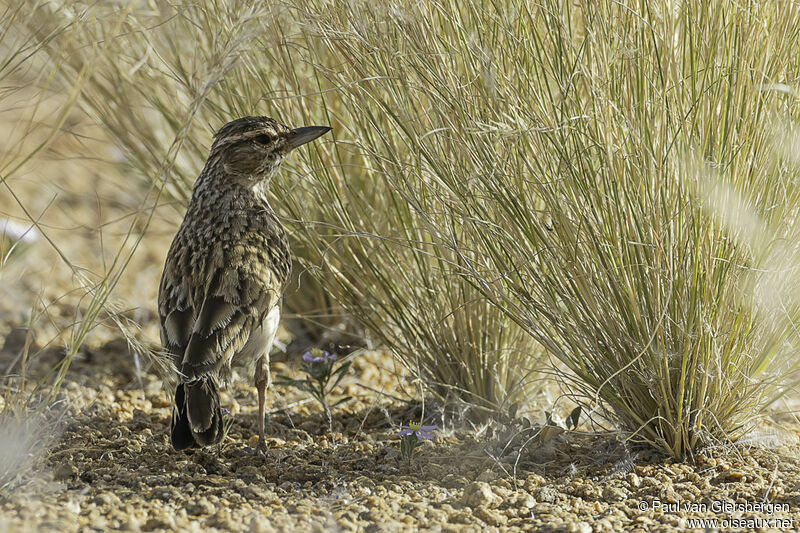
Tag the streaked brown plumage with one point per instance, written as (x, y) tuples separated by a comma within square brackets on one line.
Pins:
[(219, 298)]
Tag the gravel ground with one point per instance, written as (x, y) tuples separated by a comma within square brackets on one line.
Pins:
[(111, 468)]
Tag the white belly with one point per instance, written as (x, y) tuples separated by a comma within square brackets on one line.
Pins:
[(259, 343)]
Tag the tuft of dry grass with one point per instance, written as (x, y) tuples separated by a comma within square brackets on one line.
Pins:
[(607, 176), (23, 441), (29, 127)]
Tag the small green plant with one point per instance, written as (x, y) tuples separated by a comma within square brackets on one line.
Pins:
[(412, 436), (322, 376)]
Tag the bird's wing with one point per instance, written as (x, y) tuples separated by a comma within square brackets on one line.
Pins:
[(234, 306), (176, 308), (213, 295)]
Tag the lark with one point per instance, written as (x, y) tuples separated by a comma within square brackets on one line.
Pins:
[(220, 293)]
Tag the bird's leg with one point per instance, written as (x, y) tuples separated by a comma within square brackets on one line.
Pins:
[(262, 399), (262, 379)]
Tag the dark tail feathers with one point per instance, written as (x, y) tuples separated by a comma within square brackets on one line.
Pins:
[(196, 415)]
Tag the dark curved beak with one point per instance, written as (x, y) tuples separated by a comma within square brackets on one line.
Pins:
[(300, 136)]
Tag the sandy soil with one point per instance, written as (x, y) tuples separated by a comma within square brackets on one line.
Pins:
[(111, 468)]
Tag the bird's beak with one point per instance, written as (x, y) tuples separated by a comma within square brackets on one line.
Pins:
[(300, 136)]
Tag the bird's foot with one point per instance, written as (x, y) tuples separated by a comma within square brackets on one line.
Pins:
[(261, 447)]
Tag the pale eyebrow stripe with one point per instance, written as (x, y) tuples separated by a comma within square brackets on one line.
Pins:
[(249, 135)]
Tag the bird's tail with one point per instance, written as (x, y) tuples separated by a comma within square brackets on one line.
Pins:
[(196, 415)]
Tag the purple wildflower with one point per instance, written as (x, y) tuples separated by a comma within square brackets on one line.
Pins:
[(421, 432), (318, 356)]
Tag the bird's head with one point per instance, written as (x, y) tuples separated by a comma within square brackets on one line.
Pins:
[(252, 148)]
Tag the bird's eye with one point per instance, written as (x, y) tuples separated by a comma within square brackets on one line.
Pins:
[(263, 139)]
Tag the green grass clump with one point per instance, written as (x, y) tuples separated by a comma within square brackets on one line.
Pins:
[(654, 161), (384, 268), (616, 173)]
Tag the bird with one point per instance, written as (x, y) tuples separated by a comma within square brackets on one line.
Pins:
[(221, 289)]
